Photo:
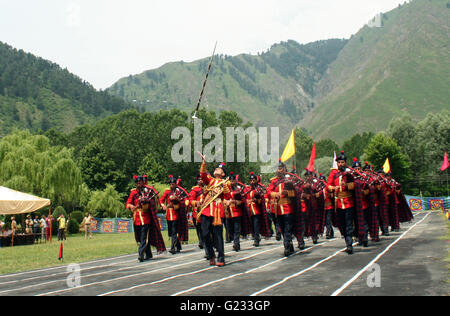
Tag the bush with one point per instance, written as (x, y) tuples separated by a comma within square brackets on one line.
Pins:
[(73, 227), (78, 215), (58, 211)]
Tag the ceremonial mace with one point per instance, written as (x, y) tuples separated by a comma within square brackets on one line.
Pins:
[(204, 84)]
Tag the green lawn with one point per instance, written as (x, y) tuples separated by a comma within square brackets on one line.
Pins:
[(76, 250)]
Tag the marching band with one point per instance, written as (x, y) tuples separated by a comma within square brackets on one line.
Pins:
[(358, 201)]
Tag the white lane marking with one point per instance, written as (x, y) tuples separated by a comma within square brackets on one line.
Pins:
[(131, 275), (100, 273), (61, 267), (357, 275), (186, 274), (245, 272), (87, 268), (297, 274)]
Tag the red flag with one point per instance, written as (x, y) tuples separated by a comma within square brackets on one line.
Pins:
[(60, 252), (445, 164), (311, 159)]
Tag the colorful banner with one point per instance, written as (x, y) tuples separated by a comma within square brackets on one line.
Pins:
[(417, 204), (120, 225)]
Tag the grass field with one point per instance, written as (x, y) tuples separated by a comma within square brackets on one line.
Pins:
[(76, 250)]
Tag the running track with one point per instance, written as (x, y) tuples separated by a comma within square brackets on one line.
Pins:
[(411, 262)]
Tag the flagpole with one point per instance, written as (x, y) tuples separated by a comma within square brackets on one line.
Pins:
[(447, 184)]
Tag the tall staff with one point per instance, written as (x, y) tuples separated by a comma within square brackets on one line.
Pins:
[(204, 83)]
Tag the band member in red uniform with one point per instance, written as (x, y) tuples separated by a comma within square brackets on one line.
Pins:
[(280, 197), (310, 209), (384, 204), (374, 203), (341, 183), (142, 202), (257, 210), (234, 209), (404, 211), (362, 204), (328, 208), (195, 200), (394, 202), (173, 203), (217, 191)]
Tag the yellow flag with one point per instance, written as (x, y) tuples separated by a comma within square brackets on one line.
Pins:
[(386, 166), (289, 151)]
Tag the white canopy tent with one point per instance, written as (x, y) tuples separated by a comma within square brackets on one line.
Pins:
[(15, 202)]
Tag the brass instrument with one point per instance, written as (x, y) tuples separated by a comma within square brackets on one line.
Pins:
[(212, 193)]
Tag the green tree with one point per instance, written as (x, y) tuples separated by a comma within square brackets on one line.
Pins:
[(355, 146), (106, 203), (326, 148), (382, 147), (96, 167)]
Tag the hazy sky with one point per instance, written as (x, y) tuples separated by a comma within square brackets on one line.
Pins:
[(102, 41)]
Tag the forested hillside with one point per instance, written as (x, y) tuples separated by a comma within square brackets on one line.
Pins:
[(38, 94)]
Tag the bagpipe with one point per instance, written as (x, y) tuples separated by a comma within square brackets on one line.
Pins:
[(318, 185), (176, 197), (298, 181), (145, 197)]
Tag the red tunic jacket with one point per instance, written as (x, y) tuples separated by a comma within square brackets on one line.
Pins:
[(344, 196), (140, 217), (216, 207), (284, 206), (172, 212), (196, 195)]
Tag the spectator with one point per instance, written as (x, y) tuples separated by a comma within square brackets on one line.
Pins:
[(87, 221), (36, 228), (49, 221), (28, 225), (61, 227), (44, 227), (13, 225)]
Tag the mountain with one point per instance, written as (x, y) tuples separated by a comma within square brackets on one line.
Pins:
[(38, 94), (275, 88), (333, 88), (401, 66)]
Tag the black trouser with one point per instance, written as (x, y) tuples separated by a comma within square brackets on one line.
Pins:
[(255, 221), (366, 226), (346, 223), (61, 234), (328, 222), (300, 239), (144, 245), (286, 225), (172, 227), (273, 219), (198, 229), (234, 227), (209, 232), (228, 234), (37, 233)]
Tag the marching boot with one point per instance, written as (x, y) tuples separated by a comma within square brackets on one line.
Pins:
[(278, 237), (349, 250), (315, 240), (301, 245)]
